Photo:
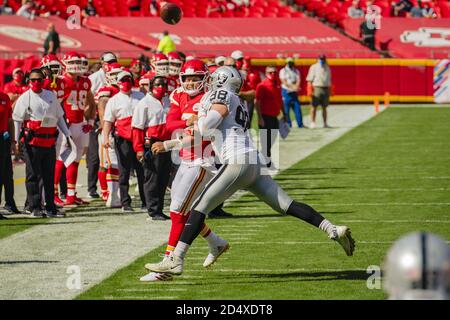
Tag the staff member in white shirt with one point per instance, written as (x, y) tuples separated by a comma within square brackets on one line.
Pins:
[(44, 115), (290, 84), (319, 85), (118, 113)]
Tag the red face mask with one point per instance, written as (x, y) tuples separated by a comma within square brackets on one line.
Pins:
[(18, 77), (36, 86), (125, 86), (239, 64), (159, 92), (271, 76)]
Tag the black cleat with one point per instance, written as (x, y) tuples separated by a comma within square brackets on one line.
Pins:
[(93, 195), (127, 208), (160, 217), (2, 217), (219, 213), (12, 209)]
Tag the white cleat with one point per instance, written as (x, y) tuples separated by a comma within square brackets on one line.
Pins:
[(215, 253), (171, 265), (343, 236), (155, 276)]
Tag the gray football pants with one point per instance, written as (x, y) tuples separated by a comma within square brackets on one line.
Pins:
[(233, 177)]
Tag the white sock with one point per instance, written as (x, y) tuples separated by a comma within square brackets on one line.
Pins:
[(213, 239), (181, 249), (328, 227)]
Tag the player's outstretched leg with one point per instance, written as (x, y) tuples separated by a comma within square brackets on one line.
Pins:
[(340, 234)]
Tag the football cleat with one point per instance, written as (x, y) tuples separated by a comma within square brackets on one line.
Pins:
[(215, 253), (58, 202), (105, 195), (70, 201), (155, 276), (343, 236), (171, 265), (80, 201)]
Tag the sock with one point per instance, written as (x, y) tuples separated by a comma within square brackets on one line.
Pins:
[(178, 221), (112, 179), (305, 213), (169, 250), (192, 227), (206, 231), (181, 249), (102, 179), (328, 227), (59, 167), (71, 175)]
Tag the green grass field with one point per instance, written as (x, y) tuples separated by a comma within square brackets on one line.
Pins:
[(385, 178)]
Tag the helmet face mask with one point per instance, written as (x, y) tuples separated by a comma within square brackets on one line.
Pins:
[(72, 63), (111, 74), (192, 70), (52, 63), (160, 64), (227, 78)]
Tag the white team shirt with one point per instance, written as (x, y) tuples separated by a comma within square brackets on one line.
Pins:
[(291, 76), (150, 112), (38, 107), (231, 139), (121, 106), (98, 80)]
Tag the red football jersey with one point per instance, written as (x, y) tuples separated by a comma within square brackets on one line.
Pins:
[(72, 95), (182, 107), (12, 87)]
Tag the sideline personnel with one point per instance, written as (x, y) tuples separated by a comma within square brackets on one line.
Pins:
[(6, 147), (45, 115)]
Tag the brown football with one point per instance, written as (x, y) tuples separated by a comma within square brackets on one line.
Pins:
[(171, 13)]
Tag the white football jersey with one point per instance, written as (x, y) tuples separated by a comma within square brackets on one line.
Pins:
[(231, 139)]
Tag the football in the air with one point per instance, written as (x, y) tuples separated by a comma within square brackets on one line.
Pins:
[(171, 13)]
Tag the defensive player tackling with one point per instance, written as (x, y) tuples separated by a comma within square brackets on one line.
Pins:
[(223, 120)]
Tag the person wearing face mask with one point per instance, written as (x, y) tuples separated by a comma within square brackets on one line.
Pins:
[(268, 106), (290, 85), (118, 113), (148, 123), (7, 145), (45, 116), (16, 87), (319, 88)]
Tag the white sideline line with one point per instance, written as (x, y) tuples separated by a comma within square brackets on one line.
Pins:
[(140, 297), (151, 289), (397, 221), (284, 270), (384, 204), (263, 243)]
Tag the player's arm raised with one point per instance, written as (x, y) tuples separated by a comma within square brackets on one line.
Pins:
[(210, 120)]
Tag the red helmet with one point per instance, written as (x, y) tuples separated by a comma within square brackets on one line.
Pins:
[(84, 63), (52, 62), (146, 78), (112, 71), (72, 62), (194, 67), (160, 64), (175, 63)]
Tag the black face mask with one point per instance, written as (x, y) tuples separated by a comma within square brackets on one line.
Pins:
[(291, 65)]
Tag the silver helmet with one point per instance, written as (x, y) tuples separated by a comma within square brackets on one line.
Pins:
[(417, 267), (226, 77)]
